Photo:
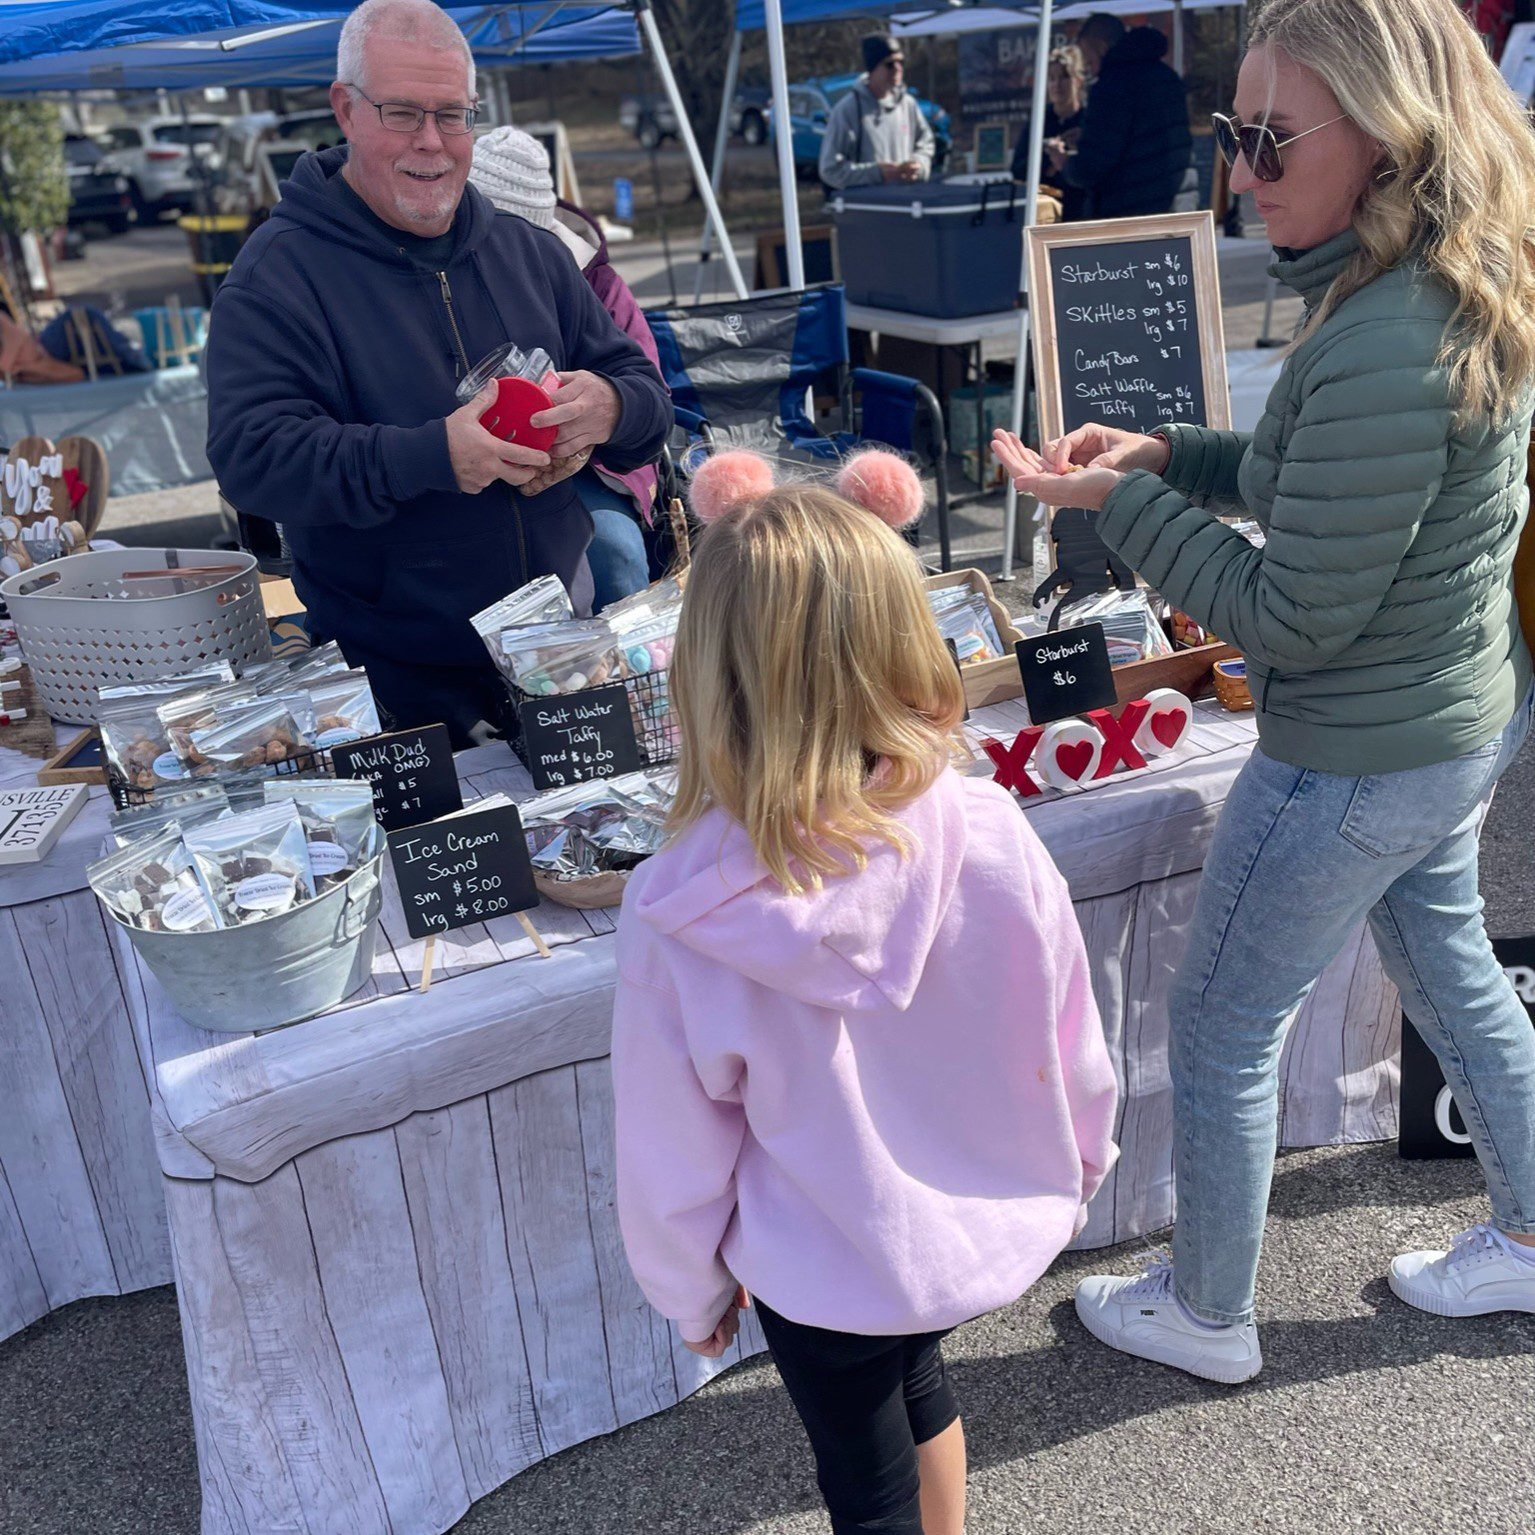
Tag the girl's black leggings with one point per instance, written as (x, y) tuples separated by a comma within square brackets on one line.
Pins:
[(866, 1403)]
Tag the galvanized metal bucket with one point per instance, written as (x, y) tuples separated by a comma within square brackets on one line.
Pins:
[(276, 971)]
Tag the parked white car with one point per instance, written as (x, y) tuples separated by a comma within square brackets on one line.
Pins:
[(162, 158)]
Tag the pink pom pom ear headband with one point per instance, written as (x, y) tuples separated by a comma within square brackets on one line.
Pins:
[(878, 481)]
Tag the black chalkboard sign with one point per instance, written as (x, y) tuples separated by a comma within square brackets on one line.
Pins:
[(411, 771), (1066, 673), (1127, 326), (569, 738), (471, 867), (1430, 1124)]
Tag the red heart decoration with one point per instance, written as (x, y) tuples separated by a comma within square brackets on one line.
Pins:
[(1074, 760), (1168, 725)]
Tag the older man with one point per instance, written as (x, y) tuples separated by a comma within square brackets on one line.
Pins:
[(335, 347)]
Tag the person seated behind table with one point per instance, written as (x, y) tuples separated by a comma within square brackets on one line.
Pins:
[(512, 169), (877, 132), (1066, 84), (1135, 149), (335, 346)]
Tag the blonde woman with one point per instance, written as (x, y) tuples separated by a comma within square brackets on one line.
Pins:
[(1396, 174), (857, 1064)]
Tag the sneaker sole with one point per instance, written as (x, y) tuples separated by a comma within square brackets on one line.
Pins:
[(1437, 1305), (1222, 1375)]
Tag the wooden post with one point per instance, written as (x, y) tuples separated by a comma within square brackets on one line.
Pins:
[(428, 954), (533, 933)]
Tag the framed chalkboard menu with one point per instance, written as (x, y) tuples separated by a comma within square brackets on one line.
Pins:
[(1127, 323)]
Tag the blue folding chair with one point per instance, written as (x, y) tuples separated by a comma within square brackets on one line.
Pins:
[(740, 372)]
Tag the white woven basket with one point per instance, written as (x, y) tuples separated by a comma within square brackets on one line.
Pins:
[(83, 626)]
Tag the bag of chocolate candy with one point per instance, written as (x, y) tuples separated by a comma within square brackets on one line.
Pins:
[(185, 713), (135, 744), (344, 708), (185, 803), (255, 864), (153, 884), (248, 735), (339, 828), (544, 601)]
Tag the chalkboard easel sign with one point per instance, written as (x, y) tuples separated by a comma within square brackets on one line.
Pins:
[(569, 738), (471, 866), (1127, 323), (1065, 673), (411, 771)]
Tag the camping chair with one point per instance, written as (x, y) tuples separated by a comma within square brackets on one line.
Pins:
[(740, 371)]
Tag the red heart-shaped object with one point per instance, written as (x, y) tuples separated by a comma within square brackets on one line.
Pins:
[(1168, 725), (1074, 760)]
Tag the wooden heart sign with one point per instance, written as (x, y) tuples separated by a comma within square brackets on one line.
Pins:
[(43, 486), (1068, 754), (1169, 716)]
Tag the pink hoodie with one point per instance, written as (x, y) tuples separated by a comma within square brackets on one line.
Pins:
[(880, 1107)]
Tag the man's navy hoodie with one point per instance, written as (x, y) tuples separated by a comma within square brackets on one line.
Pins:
[(332, 359)]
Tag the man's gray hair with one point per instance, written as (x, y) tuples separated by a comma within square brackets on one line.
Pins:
[(405, 21)]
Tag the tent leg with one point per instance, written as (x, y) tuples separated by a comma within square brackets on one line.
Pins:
[(721, 146), (783, 140), (1020, 367), (690, 144)]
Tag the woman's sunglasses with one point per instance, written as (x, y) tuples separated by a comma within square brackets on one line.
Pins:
[(1255, 143)]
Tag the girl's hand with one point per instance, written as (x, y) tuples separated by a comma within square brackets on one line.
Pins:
[(1108, 447), (1087, 488), (725, 1329)]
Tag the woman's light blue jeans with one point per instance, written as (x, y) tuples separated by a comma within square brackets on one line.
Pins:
[(616, 554), (1297, 859)]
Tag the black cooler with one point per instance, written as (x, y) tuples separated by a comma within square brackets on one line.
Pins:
[(940, 248)]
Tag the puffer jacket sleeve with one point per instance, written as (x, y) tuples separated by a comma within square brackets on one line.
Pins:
[(1204, 462), (1364, 463)]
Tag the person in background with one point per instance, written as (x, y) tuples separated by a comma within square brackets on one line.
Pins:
[(1395, 172), (877, 132), (512, 169), (1066, 85), (336, 346), (1135, 149), (824, 1101), (1095, 37)]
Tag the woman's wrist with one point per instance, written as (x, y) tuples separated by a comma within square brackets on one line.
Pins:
[(1165, 443)]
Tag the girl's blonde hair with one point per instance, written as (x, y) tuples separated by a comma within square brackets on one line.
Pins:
[(1456, 191), (813, 692)]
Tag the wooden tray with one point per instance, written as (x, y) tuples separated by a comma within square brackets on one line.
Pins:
[(987, 682), (1191, 672)]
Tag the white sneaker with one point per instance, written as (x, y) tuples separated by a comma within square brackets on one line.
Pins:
[(1142, 1316), (1479, 1274)]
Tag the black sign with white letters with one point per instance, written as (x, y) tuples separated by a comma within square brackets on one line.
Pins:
[(1066, 673), (462, 869), (411, 771), (568, 739)]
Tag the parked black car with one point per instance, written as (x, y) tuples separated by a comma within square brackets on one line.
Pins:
[(651, 119), (97, 193)]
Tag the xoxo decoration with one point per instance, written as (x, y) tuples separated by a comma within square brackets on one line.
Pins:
[(1078, 752)]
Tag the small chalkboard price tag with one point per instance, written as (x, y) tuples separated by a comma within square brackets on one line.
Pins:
[(411, 771), (1066, 673), (465, 868), (579, 736)]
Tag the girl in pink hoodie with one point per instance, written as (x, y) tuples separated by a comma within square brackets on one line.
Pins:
[(858, 1067)]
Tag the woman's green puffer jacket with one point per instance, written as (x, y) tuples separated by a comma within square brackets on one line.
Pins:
[(1378, 621)]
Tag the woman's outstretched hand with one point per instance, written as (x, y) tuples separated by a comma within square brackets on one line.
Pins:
[(1096, 446), (1031, 474)]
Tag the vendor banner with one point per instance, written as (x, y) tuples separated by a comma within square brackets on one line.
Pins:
[(996, 74)]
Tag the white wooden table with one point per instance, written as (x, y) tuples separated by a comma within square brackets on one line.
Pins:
[(400, 1274)]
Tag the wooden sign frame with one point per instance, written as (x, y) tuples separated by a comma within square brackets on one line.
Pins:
[(1199, 229)]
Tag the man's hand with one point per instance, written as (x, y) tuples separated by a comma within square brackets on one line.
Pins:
[(585, 408), (911, 170), (1055, 152), (479, 457), (725, 1329), (560, 469), (891, 171)]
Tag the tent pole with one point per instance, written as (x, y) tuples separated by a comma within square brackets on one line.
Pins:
[(1178, 37), (690, 143), (783, 139), (1020, 363), (721, 145)]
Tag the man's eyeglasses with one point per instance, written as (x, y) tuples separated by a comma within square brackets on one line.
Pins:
[(1255, 143), (402, 117)]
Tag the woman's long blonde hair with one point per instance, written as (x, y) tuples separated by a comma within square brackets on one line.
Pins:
[(1457, 186), (813, 692)]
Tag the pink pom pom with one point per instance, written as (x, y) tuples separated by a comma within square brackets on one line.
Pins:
[(884, 484), (726, 480)]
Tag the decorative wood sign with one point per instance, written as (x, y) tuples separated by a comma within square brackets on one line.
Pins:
[(32, 820), (65, 483)]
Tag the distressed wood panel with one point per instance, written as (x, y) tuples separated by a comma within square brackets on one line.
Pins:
[(99, 1072), (266, 1237), (22, 1297), (537, 1130), (454, 1195)]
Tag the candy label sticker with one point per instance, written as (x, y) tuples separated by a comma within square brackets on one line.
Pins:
[(327, 857), (186, 910), (265, 892)]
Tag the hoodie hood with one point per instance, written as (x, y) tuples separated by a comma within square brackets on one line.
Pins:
[(309, 200), (581, 235), (857, 943), (1140, 45)]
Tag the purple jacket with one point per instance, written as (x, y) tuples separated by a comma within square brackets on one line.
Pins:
[(581, 233)]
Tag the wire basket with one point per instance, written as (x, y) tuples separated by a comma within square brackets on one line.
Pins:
[(314, 763), (133, 615), (655, 726)]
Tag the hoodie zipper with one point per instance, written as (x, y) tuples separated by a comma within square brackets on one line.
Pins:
[(511, 495)]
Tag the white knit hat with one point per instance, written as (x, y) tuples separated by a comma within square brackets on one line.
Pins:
[(512, 169)]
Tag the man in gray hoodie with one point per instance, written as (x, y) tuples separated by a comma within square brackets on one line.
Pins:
[(877, 132)]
